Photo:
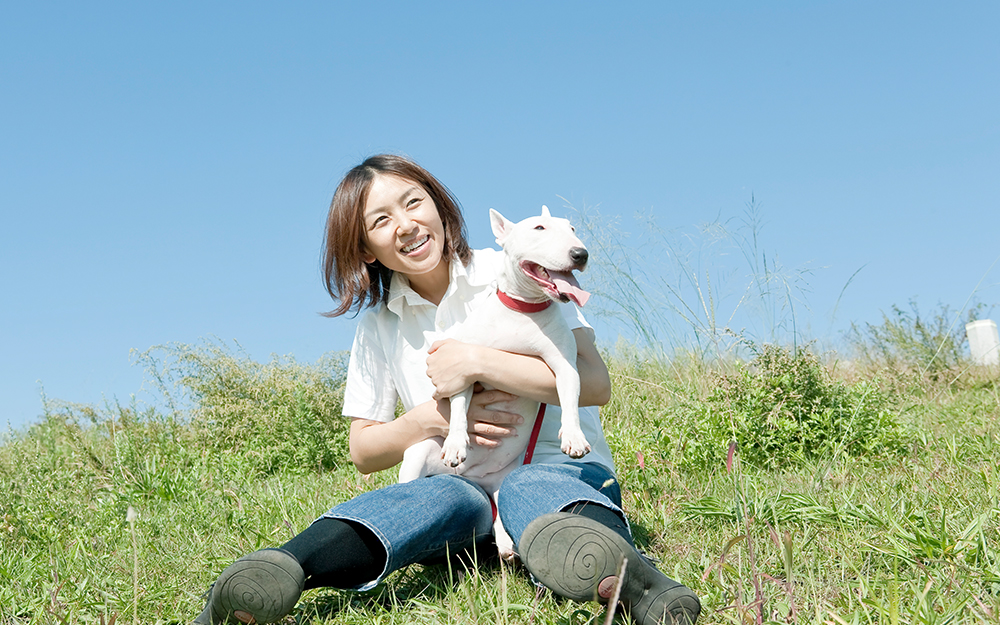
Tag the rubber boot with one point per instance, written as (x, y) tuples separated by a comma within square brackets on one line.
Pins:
[(260, 587), (581, 559)]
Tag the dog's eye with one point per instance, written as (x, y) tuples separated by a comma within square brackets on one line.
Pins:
[(539, 227)]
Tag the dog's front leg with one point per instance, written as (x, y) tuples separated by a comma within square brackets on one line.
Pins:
[(573, 442), (456, 445)]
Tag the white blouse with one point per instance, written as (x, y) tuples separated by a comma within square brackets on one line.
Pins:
[(389, 356)]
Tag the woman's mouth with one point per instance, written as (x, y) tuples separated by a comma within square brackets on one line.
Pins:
[(416, 244)]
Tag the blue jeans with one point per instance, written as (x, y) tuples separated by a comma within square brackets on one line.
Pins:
[(441, 514)]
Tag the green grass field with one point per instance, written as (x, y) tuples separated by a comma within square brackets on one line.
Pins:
[(782, 487)]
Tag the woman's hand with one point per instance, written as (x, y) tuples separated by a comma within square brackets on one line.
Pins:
[(488, 427), (375, 445), (453, 366)]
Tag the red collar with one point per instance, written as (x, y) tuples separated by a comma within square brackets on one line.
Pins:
[(522, 306)]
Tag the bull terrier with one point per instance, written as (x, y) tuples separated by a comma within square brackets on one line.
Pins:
[(540, 255)]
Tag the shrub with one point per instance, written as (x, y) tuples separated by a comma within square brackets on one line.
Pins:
[(275, 414), (906, 343), (784, 408)]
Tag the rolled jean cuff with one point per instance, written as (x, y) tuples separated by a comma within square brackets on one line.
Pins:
[(536, 489), (422, 519)]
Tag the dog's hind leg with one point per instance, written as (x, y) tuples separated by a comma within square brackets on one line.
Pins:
[(505, 544), (422, 459), (491, 484)]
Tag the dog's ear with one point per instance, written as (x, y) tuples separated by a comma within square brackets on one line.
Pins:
[(501, 226), (545, 211)]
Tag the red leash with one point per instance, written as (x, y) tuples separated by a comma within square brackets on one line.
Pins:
[(528, 453)]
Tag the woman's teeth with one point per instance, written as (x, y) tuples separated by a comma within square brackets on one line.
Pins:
[(412, 246)]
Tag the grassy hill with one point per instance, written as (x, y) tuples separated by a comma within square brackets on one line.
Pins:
[(781, 486)]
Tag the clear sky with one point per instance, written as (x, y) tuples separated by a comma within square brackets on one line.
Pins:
[(165, 168)]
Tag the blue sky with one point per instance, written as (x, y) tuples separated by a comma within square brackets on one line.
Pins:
[(165, 169)]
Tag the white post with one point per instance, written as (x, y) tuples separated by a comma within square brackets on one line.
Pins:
[(984, 343)]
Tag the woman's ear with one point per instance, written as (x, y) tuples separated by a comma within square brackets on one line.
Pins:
[(367, 256)]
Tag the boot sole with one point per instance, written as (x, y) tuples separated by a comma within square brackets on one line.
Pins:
[(260, 587), (571, 555)]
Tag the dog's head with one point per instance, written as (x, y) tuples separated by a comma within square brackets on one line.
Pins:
[(547, 251)]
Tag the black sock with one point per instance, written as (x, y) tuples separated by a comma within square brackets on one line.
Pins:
[(604, 516), (337, 553)]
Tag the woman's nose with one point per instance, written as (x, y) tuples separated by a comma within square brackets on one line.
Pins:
[(405, 224)]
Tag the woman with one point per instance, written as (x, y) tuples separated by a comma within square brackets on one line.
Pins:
[(395, 245)]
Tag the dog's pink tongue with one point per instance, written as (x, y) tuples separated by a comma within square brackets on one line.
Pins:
[(567, 285)]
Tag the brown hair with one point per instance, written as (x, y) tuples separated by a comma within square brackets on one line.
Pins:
[(351, 281)]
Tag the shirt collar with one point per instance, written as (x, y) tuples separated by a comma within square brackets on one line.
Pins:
[(402, 294)]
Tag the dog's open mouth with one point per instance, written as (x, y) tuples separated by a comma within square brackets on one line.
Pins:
[(560, 285)]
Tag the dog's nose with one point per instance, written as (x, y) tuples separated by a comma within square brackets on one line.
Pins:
[(579, 256)]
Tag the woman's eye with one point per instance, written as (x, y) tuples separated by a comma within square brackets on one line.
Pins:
[(379, 221), (413, 202)]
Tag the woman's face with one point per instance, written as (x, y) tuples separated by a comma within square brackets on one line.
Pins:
[(403, 229)]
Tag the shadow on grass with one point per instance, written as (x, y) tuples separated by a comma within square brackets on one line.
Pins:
[(429, 582)]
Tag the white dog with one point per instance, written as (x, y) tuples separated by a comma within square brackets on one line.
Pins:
[(540, 254)]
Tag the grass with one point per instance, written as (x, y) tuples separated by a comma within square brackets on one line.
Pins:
[(848, 536), (712, 285)]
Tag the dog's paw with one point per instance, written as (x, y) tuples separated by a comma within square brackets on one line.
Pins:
[(574, 445), (505, 545), (455, 450), (508, 554)]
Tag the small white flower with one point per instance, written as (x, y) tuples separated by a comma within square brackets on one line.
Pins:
[(131, 515)]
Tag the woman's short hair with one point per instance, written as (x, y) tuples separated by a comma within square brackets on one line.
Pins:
[(351, 281)]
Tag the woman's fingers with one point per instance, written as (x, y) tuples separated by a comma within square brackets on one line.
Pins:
[(489, 425), (494, 423), (449, 366), (491, 434), (485, 398)]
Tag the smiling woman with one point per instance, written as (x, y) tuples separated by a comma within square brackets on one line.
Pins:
[(404, 230), (348, 275)]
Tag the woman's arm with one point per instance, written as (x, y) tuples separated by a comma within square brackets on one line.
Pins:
[(452, 366), (376, 445)]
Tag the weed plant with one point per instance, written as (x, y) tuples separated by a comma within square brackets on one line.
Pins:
[(684, 292), (910, 346), (274, 414), (784, 408)]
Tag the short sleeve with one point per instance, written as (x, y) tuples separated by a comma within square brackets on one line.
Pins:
[(573, 316), (370, 392)]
